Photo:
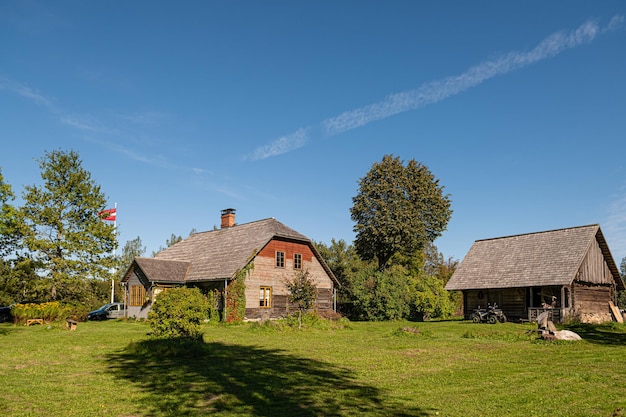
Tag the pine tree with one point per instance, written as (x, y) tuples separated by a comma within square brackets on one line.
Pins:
[(63, 231)]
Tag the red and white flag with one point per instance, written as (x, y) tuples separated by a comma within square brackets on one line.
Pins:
[(110, 214)]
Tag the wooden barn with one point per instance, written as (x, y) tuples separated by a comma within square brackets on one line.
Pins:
[(568, 272), (269, 250)]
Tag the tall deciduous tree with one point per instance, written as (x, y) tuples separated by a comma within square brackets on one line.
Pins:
[(398, 209), (64, 233), (171, 242), (341, 258)]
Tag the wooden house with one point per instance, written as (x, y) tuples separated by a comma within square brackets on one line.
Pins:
[(270, 251), (568, 272)]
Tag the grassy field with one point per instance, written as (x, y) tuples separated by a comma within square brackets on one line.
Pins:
[(449, 368)]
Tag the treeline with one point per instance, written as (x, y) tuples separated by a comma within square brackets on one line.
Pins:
[(411, 287)]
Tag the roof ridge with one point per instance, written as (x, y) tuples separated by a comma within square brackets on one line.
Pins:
[(536, 233), (235, 226)]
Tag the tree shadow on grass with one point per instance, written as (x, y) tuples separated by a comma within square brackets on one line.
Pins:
[(186, 378), (603, 334)]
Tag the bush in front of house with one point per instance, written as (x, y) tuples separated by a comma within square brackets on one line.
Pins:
[(178, 313)]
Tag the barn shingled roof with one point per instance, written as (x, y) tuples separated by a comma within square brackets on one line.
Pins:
[(534, 259), (218, 254)]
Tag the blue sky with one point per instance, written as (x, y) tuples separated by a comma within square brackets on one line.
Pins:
[(278, 108)]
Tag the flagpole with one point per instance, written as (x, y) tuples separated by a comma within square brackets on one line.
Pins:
[(114, 252)]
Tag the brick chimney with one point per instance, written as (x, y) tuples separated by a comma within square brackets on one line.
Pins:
[(228, 217)]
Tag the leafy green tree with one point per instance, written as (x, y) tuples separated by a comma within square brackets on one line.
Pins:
[(10, 230), (427, 273), (14, 279), (302, 293), (131, 250), (178, 313), (380, 295), (19, 282), (344, 262), (429, 298), (435, 264), (398, 208), (340, 257), (621, 296), (63, 232), (171, 242)]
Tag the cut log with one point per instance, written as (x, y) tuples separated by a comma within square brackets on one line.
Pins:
[(616, 313)]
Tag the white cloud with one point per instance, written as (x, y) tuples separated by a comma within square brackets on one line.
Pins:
[(282, 145), (615, 23), (81, 123), (200, 171), (88, 123), (27, 93), (439, 90)]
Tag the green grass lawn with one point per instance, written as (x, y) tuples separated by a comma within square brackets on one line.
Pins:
[(449, 368)]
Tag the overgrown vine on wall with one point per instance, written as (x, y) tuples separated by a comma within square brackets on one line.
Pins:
[(215, 304), (236, 295)]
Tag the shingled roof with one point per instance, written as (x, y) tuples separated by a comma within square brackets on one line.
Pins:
[(535, 259), (163, 271), (217, 254)]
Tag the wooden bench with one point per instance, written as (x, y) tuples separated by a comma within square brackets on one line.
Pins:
[(34, 321), (71, 324)]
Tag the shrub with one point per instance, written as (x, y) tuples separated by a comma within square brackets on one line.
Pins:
[(178, 313), (49, 312), (309, 320), (302, 293), (76, 312)]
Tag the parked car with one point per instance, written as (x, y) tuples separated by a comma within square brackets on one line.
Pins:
[(5, 314), (108, 311)]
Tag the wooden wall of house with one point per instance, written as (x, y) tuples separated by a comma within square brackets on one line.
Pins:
[(281, 307), (266, 274), (594, 269), (512, 301), (139, 312)]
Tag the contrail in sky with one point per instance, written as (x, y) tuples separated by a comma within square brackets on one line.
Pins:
[(435, 91)]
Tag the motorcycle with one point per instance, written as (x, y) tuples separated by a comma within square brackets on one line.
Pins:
[(491, 314)]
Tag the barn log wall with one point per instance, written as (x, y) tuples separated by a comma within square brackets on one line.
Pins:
[(591, 303), (594, 269), (593, 288)]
